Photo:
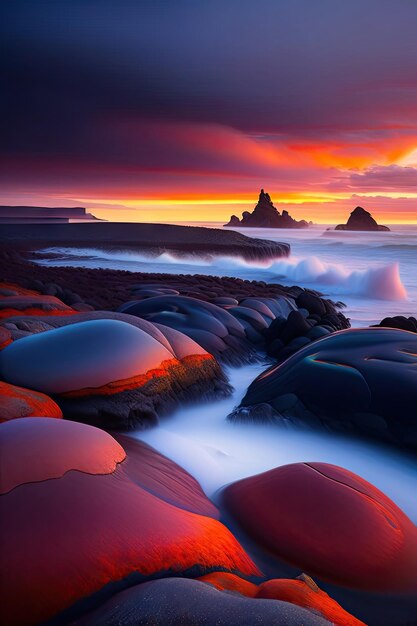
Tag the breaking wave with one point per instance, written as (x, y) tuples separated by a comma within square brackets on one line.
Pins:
[(375, 282)]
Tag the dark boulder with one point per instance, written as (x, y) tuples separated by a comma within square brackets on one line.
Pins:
[(401, 322), (359, 381)]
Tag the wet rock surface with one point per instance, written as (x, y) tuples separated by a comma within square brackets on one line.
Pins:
[(96, 517), (330, 523), (357, 381)]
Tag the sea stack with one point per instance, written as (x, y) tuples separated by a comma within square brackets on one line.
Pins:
[(361, 220), (265, 215)]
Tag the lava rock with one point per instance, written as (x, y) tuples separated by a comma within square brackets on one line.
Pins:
[(401, 322)]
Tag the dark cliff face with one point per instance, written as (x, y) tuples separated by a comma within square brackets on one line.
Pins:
[(265, 215), (361, 220)]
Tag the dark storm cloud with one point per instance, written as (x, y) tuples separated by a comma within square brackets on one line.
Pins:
[(267, 66)]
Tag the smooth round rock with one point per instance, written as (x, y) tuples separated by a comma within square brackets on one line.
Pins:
[(329, 522), (81, 355), (34, 450), (71, 534), (344, 377)]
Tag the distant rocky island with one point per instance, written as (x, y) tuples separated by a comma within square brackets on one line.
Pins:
[(361, 220), (265, 215), (44, 215)]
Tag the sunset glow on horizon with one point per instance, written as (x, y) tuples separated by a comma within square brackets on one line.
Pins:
[(190, 116)]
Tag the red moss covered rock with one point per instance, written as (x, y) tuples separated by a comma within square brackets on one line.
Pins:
[(65, 539), (230, 582), (304, 592), (20, 402), (330, 523), (33, 305)]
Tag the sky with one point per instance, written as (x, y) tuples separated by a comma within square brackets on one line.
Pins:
[(181, 110)]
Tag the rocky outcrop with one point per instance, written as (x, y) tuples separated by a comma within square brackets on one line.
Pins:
[(357, 381), (361, 220), (315, 318), (231, 331), (43, 215), (153, 239), (265, 215), (329, 522)]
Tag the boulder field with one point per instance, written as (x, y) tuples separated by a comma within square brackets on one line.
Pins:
[(357, 381), (238, 330)]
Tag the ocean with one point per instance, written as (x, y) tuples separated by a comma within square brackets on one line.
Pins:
[(374, 274)]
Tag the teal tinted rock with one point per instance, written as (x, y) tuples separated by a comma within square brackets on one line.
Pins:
[(345, 377)]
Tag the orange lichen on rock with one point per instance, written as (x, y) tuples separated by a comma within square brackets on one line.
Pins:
[(225, 581), (304, 592), (16, 300), (16, 402), (10, 312), (170, 368), (13, 288)]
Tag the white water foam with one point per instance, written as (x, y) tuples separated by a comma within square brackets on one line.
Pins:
[(377, 282), (218, 452)]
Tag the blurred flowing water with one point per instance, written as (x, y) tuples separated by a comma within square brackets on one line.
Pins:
[(373, 273)]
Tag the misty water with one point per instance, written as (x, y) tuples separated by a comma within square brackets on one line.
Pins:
[(372, 273), (217, 451)]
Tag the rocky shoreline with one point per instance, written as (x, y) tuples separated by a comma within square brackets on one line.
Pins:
[(124, 534), (149, 238)]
